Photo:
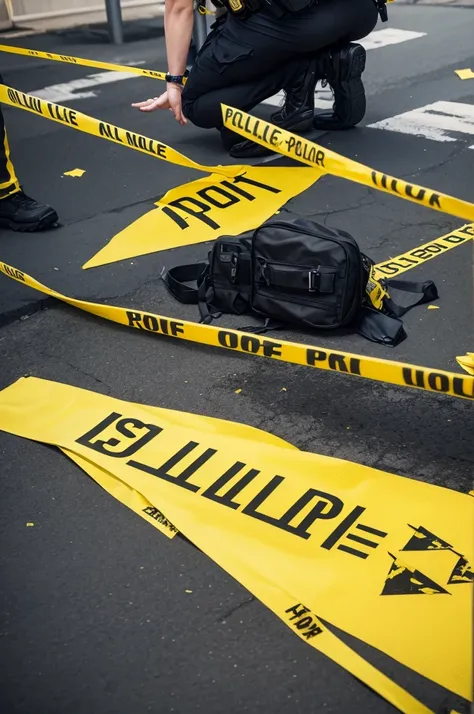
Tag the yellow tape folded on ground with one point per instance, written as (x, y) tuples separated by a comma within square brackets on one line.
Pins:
[(381, 370), (82, 62), (307, 152), (385, 558), (136, 501), (207, 208)]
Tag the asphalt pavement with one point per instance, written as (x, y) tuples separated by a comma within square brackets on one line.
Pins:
[(96, 616)]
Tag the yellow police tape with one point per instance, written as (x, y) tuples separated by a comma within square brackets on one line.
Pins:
[(307, 152), (89, 125), (82, 62), (135, 500), (380, 370), (214, 206), (467, 362), (465, 73), (401, 263), (384, 558), (205, 209)]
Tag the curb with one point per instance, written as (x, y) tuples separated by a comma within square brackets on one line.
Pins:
[(26, 310)]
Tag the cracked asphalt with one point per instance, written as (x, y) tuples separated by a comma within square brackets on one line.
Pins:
[(95, 610)]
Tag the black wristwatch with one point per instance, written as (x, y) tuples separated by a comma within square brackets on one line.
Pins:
[(176, 78)]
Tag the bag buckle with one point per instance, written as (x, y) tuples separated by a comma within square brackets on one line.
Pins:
[(233, 272), (314, 277)]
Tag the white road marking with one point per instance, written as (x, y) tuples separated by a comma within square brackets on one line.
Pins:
[(66, 91), (376, 39), (437, 121), (389, 36)]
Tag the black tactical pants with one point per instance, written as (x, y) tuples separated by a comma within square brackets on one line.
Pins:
[(8, 180), (243, 62)]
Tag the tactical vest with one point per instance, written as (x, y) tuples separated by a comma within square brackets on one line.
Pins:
[(244, 8)]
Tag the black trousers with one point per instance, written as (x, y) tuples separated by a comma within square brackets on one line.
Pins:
[(243, 62), (8, 181)]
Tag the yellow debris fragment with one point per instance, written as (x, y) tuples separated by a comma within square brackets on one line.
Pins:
[(465, 73), (75, 173)]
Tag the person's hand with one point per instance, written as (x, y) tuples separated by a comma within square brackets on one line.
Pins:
[(150, 105), (171, 99)]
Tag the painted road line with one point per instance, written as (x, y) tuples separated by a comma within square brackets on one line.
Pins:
[(389, 36), (376, 40), (437, 121), (66, 91)]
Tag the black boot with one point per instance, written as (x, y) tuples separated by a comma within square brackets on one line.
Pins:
[(19, 212), (296, 114), (342, 69)]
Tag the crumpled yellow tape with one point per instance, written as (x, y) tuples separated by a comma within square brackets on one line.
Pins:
[(109, 432)]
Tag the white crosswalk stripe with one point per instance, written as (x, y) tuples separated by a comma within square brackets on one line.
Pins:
[(374, 41), (437, 121), (67, 91)]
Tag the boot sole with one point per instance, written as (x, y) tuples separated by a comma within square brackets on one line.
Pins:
[(354, 65), (47, 221), (351, 84)]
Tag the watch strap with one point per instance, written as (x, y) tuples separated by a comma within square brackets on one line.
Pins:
[(176, 78)]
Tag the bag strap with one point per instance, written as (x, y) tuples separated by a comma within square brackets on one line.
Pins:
[(269, 324), (427, 290), (175, 279), (378, 327)]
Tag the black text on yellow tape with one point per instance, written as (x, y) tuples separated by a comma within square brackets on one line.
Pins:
[(82, 62), (136, 501), (417, 256), (89, 125), (391, 372), (312, 154), (221, 194), (380, 538), (207, 208)]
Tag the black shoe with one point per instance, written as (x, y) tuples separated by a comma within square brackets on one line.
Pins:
[(342, 69), (249, 150), (19, 212), (298, 110), (296, 114)]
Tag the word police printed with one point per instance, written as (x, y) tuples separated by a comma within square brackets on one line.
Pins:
[(312, 154), (130, 435), (423, 378), (425, 252), (62, 114), (157, 515), (137, 141), (224, 194), (304, 621), (273, 136), (381, 370)]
